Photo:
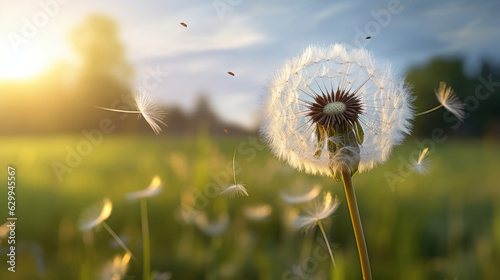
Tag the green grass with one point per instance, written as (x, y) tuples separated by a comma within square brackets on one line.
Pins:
[(442, 226)]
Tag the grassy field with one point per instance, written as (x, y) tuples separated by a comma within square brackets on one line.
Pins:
[(442, 226)]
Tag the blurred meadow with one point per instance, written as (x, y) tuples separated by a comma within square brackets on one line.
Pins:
[(206, 65)]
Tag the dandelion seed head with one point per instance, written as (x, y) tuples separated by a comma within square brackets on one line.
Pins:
[(95, 215), (235, 190), (153, 189), (336, 92), (450, 101)]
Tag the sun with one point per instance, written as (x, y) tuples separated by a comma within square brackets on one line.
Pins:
[(25, 64)]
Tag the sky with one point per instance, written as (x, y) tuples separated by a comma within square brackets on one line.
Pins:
[(249, 38)]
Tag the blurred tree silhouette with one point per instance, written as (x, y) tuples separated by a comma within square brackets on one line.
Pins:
[(64, 98), (479, 111), (104, 76)]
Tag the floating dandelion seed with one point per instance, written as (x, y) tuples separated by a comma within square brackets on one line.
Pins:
[(226, 131), (301, 198), (422, 164), (315, 215), (236, 189), (231, 73), (212, 228), (183, 24), (318, 212), (153, 189), (331, 96), (95, 215), (115, 269), (449, 100), (257, 213), (368, 37), (147, 108)]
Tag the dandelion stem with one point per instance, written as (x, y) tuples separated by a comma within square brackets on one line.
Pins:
[(234, 172), (145, 239), (119, 111), (357, 226), (320, 225), (428, 111), (117, 239)]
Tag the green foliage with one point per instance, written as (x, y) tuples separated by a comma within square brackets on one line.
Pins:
[(441, 226)]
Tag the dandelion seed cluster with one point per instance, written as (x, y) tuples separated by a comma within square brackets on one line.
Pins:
[(336, 107)]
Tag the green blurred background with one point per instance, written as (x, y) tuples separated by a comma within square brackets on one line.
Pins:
[(442, 226)]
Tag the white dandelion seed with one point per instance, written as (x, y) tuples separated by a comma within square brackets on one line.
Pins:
[(153, 189), (147, 108), (449, 100), (115, 269), (212, 228), (258, 212), (422, 163), (316, 213), (95, 215), (334, 109), (235, 190), (297, 198)]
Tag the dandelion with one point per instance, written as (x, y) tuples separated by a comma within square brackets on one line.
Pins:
[(147, 108), (449, 100), (236, 189), (212, 228), (115, 269), (335, 111), (153, 189), (301, 198), (333, 96), (315, 215), (257, 213), (97, 215)]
